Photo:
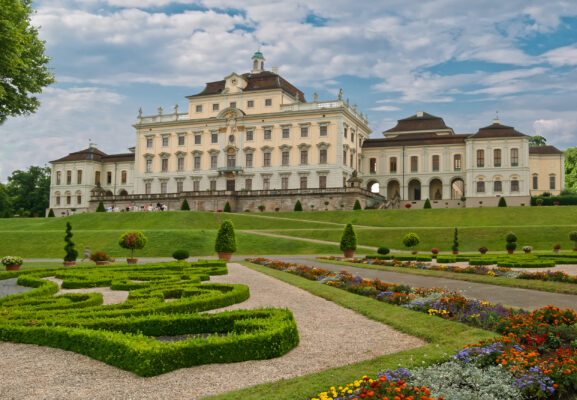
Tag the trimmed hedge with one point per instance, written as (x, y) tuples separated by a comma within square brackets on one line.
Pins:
[(124, 335)]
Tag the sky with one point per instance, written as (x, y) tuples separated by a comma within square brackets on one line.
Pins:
[(461, 60)]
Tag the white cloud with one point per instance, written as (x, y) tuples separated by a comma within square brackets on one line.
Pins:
[(385, 108), (562, 56)]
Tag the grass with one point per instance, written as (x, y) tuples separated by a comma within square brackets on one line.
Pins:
[(544, 286), (443, 337)]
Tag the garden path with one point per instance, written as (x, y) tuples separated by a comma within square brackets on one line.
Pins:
[(108, 296)]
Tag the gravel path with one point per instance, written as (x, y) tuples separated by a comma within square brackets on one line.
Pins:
[(330, 336), (108, 296), (10, 286)]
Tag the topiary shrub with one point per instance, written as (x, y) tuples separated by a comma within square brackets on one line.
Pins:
[(71, 253), (435, 250), (349, 239), (357, 205), (455, 246), (511, 245), (411, 240), (383, 250), (298, 206), (132, 241), (51, 213), (261, 208), (427, 204), (482, 250), (99, 256), (185, 206), (180, 255), (225, 238), (100, 207), (502, 202), (227, 207), (573, 237)]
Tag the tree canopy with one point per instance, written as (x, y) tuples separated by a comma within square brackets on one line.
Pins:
[(571, 168), (27, 192), (23, 64), (537, 141)]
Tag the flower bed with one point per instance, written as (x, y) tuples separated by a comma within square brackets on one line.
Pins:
[(535, 359)]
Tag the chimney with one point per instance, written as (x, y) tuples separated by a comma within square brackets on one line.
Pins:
[(275, 70), (419, 114)]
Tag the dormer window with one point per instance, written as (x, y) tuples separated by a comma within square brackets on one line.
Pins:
[(268, 102)]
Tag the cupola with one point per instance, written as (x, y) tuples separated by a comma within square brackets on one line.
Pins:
[(257, 63)]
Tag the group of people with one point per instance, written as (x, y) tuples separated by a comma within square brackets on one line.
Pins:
[(147, 207)]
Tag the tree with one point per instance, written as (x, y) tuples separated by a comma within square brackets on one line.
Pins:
[(23, 64), (185, 206), (225, 238), (427, 204), (502, 202), (5, 207), (411, 240), (29, 190), (357, 205), (571, 168), (455, 246), (298, 206), (349, 238), (100, 207), (51, 213), (537, 141), (132, 241), (71, 252), (227, 207)]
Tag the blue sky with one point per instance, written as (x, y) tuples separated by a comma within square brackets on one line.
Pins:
[(461, 60)]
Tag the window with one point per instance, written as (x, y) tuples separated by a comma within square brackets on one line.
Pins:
[(197, 139), (248, 160), (514, 157), (323, 181), (248, 183), (323, 130), (213, 185), (57, 200), (352, 136), (285, 158), (266, 183), (457, 162), (163, 187), (268, 102), (233, 104), (196, 162), (514, 185), (303, 182), (480, 187), (179, 186), (286, 132), (351, 164), (58, 177), (436, 163), (284, 183), (414, 163), (497, 186), (199, 108), (69, 177), (373, 165), (97, 177), (266, 159), (322, 156), (552, 182), (344, 181), (497, 157), (79, 199), (148, 166), (196, 186), (214, 138), (344, 157), (267, 133), (535, 181), (393, 164), (79, 177), (180, 163), (165, 141), (123, 177), (304, 131), (164, 167), (249, 135), (304, 157), (250, 104), (149, 142), (68, 199), (213, 161), (215, 107), (346, 131), (231, 160), (480, 158), (148, 188), (181, 140), (109, 178)]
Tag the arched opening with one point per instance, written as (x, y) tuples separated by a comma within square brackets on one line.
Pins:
[(436, 189), (457, 189), (373, 186), (414, 190), (108, 193), (393, 190), (123, 193)]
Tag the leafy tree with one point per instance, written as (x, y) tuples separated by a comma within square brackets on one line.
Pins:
[(23, 65), (427, 204), (349, 238), (132, 241), (225, 238), (411, 240), (357, 205), (537, 141), (5, 207), (30, 190), (71, 252), (227, 207), (502, 202), (298, 206), (455, 246), (100, 207), (185, 206), (571, 168)]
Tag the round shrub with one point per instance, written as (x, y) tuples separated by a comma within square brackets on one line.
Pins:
[(349, 238), (99, 256), (411, 240), (132, 241), (435, 250), (483, 249), (180, 255), (511, 237), (383, 250), (511, 246), (225, 238)]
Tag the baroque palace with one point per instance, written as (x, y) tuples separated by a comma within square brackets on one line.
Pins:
[(253, 140)]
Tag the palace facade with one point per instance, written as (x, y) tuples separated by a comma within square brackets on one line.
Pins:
[(253, 140)]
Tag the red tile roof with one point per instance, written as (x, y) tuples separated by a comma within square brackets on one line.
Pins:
[(93, 154), (544, 150), (416, 139), (497, 130), (426, 122)]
